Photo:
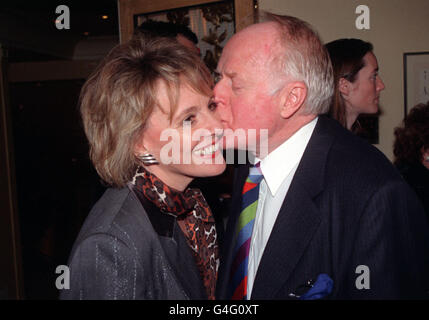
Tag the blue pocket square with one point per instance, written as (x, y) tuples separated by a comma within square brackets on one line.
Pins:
[(321, 288)]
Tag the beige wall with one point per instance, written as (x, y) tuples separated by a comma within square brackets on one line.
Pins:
[(396, 26)]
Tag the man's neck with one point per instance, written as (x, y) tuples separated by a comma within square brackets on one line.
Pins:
[(288, 130)]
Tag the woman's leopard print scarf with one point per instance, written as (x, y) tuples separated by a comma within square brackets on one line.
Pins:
[(194, 218)]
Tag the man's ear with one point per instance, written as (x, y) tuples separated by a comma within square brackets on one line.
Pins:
[(292, 98)]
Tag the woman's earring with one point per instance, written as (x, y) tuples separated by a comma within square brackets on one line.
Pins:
[(147, 159)]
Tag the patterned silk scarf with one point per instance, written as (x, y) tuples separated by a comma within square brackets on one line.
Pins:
[(194, 217)]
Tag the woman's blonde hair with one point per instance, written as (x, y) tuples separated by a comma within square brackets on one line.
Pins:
[(118, 98)]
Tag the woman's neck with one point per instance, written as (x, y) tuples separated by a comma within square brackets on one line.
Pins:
[(177, 182), (351, 119)]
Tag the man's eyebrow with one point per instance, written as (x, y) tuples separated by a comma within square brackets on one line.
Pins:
[(227, 73)]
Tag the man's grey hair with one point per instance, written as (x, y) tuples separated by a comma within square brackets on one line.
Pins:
[(304, 58)]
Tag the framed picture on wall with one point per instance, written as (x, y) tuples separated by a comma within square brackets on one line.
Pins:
[(416, 79), (243, 11), (212, 21), (212, 25)]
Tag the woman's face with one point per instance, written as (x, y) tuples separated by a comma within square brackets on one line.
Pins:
[(363, 95), (425, 160), (187, 146)]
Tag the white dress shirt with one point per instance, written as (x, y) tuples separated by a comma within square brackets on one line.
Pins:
[(278, 169)]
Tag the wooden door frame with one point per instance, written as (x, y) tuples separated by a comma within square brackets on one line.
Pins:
[(127, 9), (11, 278)]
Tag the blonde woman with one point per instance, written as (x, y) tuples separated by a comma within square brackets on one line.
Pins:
[(149, 236)]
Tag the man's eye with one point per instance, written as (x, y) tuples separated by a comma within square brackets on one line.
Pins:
[(212, 106)]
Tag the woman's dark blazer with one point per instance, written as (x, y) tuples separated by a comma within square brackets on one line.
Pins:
[(125, 251)]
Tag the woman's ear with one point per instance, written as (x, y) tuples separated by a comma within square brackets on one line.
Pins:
[(138, 151), (139, 147), (344, 86), (292, 98), (425, 153)]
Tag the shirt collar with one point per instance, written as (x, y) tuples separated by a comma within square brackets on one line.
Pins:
[(278, 164)]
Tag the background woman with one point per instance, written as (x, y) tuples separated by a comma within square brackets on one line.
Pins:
[(357, 82), (151, 128), (411, 150)]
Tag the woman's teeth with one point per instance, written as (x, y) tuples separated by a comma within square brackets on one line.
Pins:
[(208, 150)]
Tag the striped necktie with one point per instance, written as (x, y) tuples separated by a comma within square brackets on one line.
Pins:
[(243, 233)]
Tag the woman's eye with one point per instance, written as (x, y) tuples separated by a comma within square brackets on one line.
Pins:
[(217, 77), (189, 120)]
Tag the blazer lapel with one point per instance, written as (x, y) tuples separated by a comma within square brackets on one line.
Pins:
[(176, 251), (297, 220), (183, 264)]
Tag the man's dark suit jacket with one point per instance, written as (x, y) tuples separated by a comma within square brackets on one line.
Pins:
[(346, 206), (125, 251)]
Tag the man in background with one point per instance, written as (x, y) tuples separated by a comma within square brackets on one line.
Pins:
[(182, 33)]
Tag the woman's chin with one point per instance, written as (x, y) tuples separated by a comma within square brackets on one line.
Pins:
[(209, 164)]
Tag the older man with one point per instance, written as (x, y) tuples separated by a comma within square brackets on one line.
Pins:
[(331, 218)]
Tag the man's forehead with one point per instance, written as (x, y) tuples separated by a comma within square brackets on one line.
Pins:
[(250, 46), (259, 28)]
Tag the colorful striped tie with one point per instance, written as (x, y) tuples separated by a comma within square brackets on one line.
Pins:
[(243, 233)]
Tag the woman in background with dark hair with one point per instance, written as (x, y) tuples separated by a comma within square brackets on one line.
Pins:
[(411, 150), (357, 83)]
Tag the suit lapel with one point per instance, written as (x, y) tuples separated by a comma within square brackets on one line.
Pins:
[(296, 223), (298, 218)]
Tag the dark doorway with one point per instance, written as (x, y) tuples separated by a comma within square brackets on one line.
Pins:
[(56, 185)]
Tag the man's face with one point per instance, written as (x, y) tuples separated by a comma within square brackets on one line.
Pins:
[(244, 92)]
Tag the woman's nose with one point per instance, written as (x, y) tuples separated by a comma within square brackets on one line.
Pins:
[(214, 121), (212, 128), (380, 86), (223, 108)]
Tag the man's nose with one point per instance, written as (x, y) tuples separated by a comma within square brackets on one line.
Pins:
[(223, 108)]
